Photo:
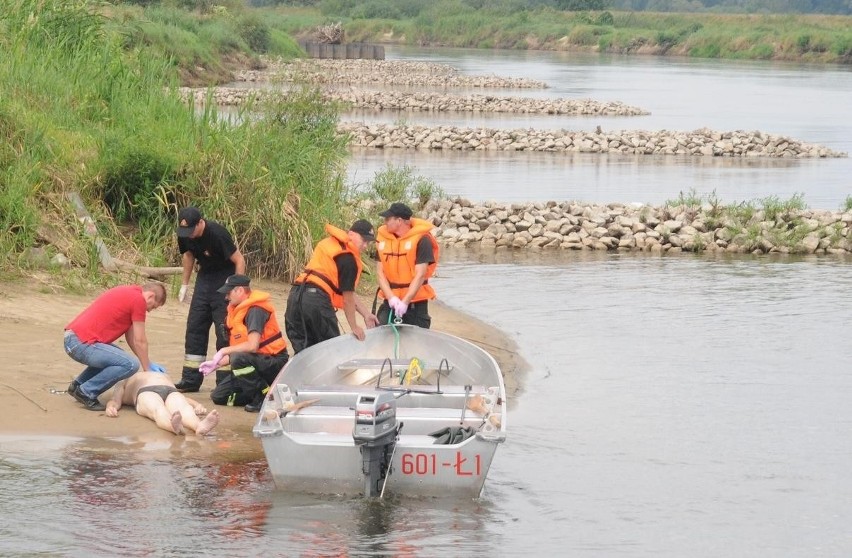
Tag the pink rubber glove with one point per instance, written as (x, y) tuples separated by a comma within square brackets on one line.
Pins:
[(401, 308), (207, 367)]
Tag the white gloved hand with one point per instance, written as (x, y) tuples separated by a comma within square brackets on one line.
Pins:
[(182, 293), (394, 300)]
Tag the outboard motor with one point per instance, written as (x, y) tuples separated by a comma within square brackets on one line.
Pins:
[(375, 432)]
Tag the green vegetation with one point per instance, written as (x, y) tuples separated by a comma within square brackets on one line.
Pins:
[(393, 184), (465, 23), (80, 112), (754, 225), (206, 46)]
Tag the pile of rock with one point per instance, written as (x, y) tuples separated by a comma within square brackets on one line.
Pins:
[(380, 72), (438, 102), (698, 142), (430, 102), (619, 227)]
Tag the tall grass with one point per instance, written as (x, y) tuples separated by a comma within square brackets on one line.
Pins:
[(80, 112)]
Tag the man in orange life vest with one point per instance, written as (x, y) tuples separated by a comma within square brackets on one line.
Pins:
[(408, 256), (329, 283), (256, 350)]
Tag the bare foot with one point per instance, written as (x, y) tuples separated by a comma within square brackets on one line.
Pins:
[(208, 423), (177, 423)]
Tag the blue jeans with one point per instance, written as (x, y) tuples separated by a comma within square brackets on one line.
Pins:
[(106, 365)]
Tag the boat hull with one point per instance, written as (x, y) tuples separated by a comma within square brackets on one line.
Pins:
[(439, 383)]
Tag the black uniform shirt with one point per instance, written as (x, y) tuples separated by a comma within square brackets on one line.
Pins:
[(347, 271), (212, 250)]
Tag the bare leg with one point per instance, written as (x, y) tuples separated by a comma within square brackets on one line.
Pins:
[(208, 423), (177, 403), (150, 405)]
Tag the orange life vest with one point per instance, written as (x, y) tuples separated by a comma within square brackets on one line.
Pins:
[(322, 271), (399, 254), (271, 340)]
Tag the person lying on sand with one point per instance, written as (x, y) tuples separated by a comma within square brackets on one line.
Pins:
[(156, 398)]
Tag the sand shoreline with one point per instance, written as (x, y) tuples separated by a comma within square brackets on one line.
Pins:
[(36, 370)]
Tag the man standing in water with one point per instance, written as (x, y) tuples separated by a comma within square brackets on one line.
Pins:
[(408, 256), (156, 398), (208, 244)]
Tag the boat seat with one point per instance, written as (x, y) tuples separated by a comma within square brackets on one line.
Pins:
[(345, 396), (341, 420)]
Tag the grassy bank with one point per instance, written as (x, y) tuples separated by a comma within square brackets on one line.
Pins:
[(83, 110), (807, 38)]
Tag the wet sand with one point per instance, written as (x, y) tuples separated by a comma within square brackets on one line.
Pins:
[(36, 371)]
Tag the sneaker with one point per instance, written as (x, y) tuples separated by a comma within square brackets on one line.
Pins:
[(186, 387), (90, 403), (254, 407), (72, 387)]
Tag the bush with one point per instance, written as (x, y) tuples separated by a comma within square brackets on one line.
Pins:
[(255, 32)]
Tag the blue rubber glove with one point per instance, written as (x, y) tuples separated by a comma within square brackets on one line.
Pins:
[(157, 368)]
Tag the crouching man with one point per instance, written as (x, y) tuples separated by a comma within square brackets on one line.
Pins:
[(156, 398), (256, 351)]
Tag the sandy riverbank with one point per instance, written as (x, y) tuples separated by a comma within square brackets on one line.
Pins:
[(36, 369)]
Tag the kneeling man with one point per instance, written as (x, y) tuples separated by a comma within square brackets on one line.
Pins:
[(156, 398)]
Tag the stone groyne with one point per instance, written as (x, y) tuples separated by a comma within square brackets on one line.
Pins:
[(619, 227), (433, 102), (381, 72), (698, 142)]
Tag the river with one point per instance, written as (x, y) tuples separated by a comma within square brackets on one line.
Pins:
[(674, 405)]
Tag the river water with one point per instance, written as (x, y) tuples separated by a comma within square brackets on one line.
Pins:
[(673, 406)]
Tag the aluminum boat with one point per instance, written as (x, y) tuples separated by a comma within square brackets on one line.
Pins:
[(407, 411)]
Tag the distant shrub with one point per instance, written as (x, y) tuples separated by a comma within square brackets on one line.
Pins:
[(255, 32)]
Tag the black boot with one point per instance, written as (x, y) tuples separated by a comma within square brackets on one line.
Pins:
[(190, 380)]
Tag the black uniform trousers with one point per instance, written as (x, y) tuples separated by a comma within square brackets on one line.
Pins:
[(207, 307), (310, 318), (417, 314), (248, 380)]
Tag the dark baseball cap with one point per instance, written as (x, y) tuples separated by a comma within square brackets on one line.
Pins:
[(234, 281), (398, 209), (364, 228), (188, 217)]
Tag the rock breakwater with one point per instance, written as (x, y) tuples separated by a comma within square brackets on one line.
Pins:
[(621, 227), (698, 142), (381, 72), (432, 102)]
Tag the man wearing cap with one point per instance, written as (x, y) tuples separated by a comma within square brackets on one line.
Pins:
[(256, 348), (408, 256), (211, 246), (329, 283)]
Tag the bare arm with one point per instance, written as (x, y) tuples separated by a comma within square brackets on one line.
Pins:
[(370, 319), (188, 262), (349, 308), (384, 284), (239, 262), (138, 341), (198, 407), (416, 282), (114, 404), (250, 345)]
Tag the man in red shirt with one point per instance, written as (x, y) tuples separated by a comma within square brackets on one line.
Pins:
[(89, 340)]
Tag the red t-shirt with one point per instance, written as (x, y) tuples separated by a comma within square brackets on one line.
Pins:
[(110, 315)]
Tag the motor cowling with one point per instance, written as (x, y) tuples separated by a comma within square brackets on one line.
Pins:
[(375, 419)]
